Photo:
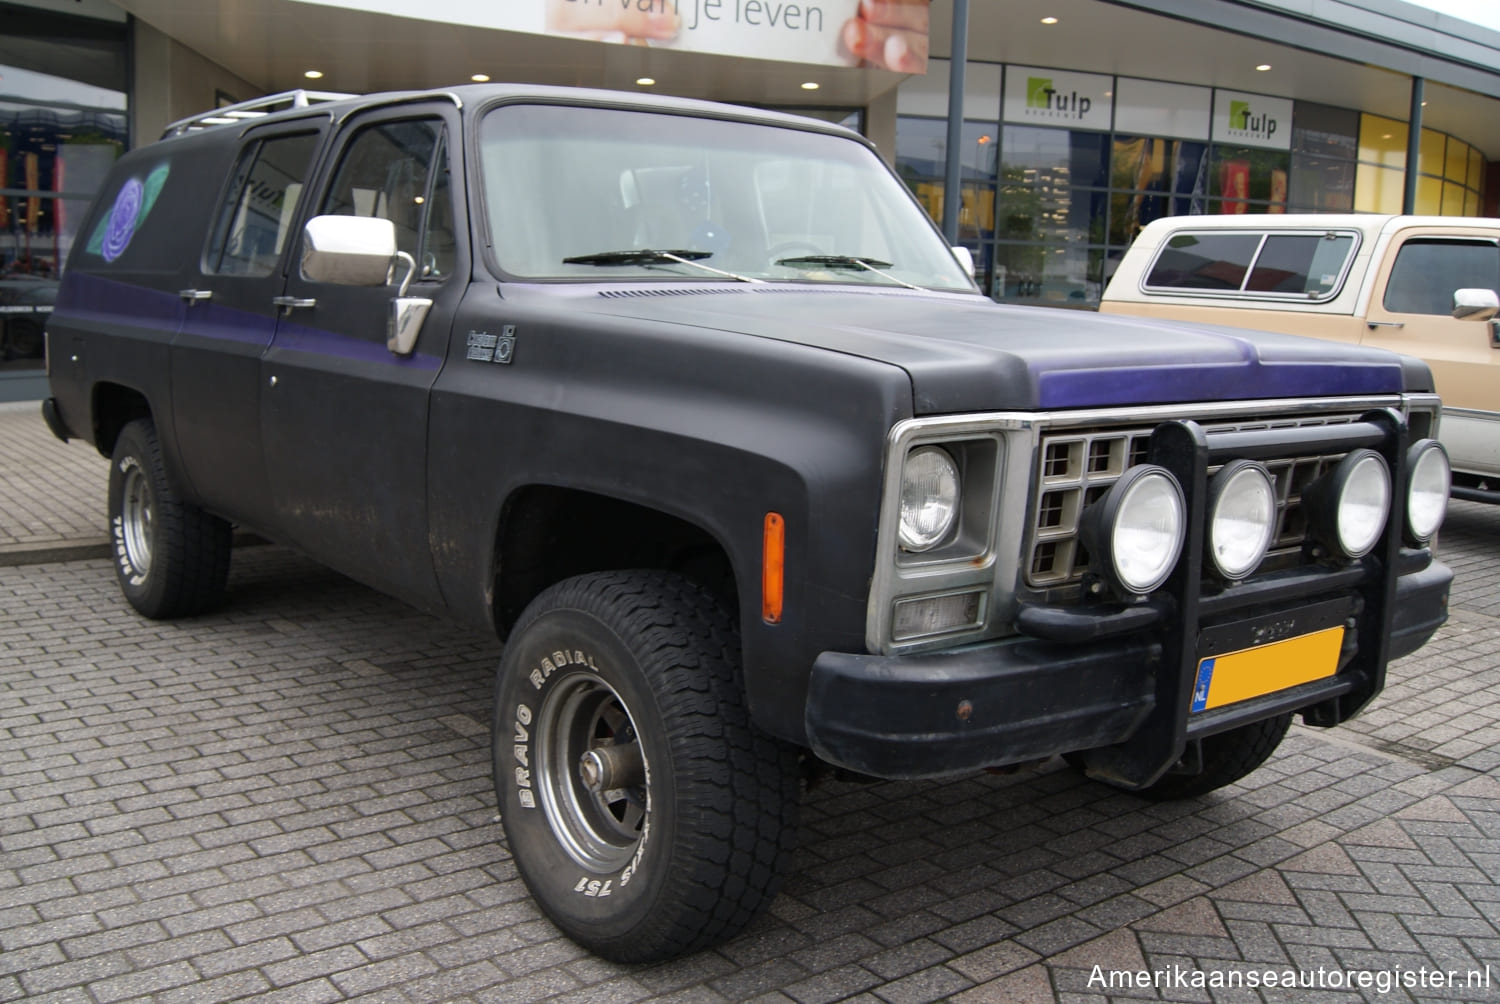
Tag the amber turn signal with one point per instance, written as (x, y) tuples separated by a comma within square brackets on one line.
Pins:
[(773, 568)]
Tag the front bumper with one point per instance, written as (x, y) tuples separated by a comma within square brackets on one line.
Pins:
[(1026, 698)]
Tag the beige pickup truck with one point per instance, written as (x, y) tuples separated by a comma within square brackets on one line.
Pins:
[(1424, 286)]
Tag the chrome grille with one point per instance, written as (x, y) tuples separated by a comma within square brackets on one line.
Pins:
[(1075, 468)]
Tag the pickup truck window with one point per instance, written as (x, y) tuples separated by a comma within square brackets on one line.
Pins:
[(1254, 262), (754, 201), (1428, 270), (259, 206), (1204, 261), (398, 171)]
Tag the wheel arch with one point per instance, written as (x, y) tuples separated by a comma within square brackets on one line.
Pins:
[(546, 533), (112, 407)]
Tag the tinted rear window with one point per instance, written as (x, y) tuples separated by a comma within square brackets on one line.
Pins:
[(1254, 262), (1205, 261)]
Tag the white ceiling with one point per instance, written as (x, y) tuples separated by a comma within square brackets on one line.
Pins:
[(271, 42)]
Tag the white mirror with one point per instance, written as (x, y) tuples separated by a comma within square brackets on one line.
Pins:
[(965, 258), (349, 250), (1475, 304)]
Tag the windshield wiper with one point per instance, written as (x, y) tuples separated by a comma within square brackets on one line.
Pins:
[(845, 261), (654, 256)]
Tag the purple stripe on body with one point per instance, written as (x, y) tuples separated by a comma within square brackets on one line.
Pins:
[(86, 296), (300, 338)]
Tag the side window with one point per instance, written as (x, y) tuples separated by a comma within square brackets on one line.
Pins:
[(1301, 263), (1428, 270), (252, 224), (1204, 261), (399, 171)]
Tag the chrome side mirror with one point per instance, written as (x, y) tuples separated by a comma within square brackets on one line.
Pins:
[(1475, 304), (349, 250), (965, 258)]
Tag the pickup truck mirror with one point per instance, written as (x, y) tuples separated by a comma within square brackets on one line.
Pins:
[(1475, 304), (965, 258), (349, 250)]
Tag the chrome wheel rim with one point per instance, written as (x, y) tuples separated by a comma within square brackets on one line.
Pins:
[(598, 819), (136, 520)]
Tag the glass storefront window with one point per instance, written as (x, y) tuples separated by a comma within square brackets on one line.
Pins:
[(1243, 174), (1382, 141), (1038, 156), (1321, 185), (1048, 275), (1064, 195), (1378, 189), (1430, 160), (62, 124)]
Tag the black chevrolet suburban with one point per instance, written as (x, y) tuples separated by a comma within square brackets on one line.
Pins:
[(693, 406)]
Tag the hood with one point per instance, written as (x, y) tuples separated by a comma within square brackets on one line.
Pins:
[(967, 353)]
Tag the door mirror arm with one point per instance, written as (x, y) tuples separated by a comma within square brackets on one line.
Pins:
[(407, 312)]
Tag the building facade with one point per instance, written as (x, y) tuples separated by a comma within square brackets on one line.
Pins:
[(1082, 120)]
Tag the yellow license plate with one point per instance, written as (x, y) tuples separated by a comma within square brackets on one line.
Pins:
[(1265, 669)]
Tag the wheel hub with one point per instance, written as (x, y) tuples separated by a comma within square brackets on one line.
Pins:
[(591, 773), (136, 520)]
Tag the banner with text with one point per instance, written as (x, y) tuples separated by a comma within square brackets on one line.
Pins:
[(1035, 96), (826, 32)]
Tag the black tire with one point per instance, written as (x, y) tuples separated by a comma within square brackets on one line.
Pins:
[(694, 838), (171, 558), (1227, 757)]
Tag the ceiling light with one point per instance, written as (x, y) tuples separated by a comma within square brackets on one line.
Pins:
[(313, 74), (1049, 20), (646, 81), (1263, 67), (480, 78), (810, 85)]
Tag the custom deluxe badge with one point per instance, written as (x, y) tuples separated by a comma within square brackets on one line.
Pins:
[(487, 348)]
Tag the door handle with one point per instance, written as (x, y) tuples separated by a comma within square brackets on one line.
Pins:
[(1385, 324), (195, 295), (291, 303)]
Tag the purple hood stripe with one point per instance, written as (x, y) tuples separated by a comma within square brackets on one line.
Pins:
[(1092, 388)]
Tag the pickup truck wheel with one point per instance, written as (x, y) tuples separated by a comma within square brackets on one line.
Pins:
[(645, 813), (172, 558), (1227, 757)]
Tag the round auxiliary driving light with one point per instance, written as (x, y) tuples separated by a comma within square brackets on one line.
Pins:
[(929, 498), (1241, 518), (1348, 506), (1135, 532), (1427, 495)]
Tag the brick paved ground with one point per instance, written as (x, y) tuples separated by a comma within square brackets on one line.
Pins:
[(290, 799), (51, 493)]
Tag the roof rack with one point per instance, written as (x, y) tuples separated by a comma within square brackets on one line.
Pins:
[(253, 109)]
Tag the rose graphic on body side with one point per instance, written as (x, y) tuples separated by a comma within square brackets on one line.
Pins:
[(133, 203)]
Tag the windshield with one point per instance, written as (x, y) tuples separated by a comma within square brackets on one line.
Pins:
[(590, 193)]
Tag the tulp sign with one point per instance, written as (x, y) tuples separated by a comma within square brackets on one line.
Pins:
[(1252, 120), (1058, 98), (799, 31)]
